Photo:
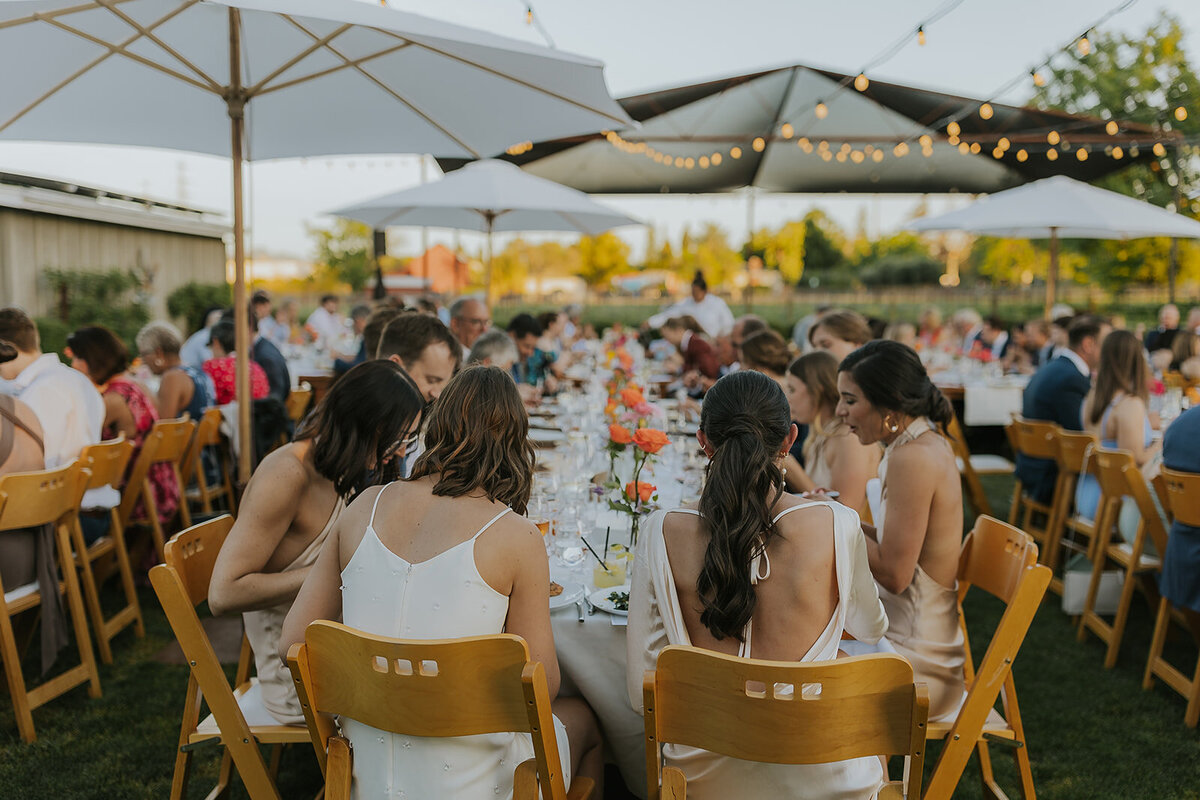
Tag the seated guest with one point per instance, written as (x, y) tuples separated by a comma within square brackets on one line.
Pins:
[(755, 573), (354, 438), (373, 329), (1185, 353), (913, 547), (196, 349), (469, 319), (260, 312), (1034, 351), (965, 326), (743, 328), (700, 364), (284, 326), (992, 340), (222, 367), (325, 325), (20, 451), (766, 352), (265, 354), (1116, 410), (534, 365), (128, 408), (931, 332), (553, 324), (67, 405), (1168, 326), (494, 349), (1056, 394), (425, 348), (182, 388), (903, 332), (839, 333), (358, 323), (447, 554), (834, 459), (1180, 581)]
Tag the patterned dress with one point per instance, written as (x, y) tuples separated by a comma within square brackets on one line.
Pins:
[(162, 477), (224, 371)]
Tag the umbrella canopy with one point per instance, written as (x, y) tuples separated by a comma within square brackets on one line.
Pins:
[(489, 196), (773, 119), (1060, 207), (277, 78)]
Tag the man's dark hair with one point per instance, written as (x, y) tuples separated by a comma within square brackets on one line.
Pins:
[(360, 312), (223, 334), (325, 298), (376, 322), (408, 335), (1083, 326), (523, 325), (16, 327), (260, 298), (995, 323)]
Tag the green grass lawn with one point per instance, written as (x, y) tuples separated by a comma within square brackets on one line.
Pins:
[(1093, 733)]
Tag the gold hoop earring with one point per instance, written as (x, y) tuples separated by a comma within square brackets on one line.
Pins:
[(890, 424)]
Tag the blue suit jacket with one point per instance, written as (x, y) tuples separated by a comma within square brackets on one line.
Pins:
[(1056, 395)]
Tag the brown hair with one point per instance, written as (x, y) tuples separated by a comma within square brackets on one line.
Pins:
[(684, 322), (408, 335), (818, 372), (849, 326), (766, 350), (105, 354), (379, 319), (18, 328), (1122, 369), (477, 438), (1183, 347)]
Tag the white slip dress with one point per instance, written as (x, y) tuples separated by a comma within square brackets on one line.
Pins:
[(443, 597)]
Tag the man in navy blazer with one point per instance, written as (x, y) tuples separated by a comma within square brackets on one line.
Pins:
[(1056, 394)]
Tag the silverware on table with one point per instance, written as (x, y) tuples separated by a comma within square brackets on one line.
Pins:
[(579, 609)]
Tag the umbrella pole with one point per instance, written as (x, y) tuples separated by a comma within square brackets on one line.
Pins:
[(241, 320), (487, 281), (1052, 274)]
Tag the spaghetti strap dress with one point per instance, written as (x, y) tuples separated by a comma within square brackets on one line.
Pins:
[(443, 597)]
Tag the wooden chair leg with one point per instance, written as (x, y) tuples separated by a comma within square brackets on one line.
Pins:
[(1162, 621), (78, 615), (126, 571), (1118, 627), (183, 758), (1015, 507), (16, 681), (991, 789), (83, 563)]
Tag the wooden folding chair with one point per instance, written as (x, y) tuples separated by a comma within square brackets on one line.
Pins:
[(756, 710), (455, 687), (1119, 477), (28, 500), (1074, 450), (297, 405), (167, 442), (181, 584), (1034, 439), (970, 467), (208, 434), (1002, 561), (1182, 491), (106, 462)]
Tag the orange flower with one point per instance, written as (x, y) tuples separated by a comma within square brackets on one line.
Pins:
[(631, 396), (644, 491), (649, 439), (619, 434), (610, 409)]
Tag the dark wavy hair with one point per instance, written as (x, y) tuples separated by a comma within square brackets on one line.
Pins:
[(818, 372), (477, 438), (892, 378), (364, 414), (746, 419), (106, 355)]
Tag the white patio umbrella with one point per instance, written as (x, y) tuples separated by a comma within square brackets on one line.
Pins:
[(489, 196), (281, 78), (1061, 207)]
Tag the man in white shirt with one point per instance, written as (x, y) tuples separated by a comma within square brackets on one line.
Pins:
[(325, 324), (65, 401), (709, 310)]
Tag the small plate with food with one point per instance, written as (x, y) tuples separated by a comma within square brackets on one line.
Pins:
[(563, 595), (614, 600)]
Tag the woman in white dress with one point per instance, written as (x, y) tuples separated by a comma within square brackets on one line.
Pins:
[(355, 438), (447, 554), (913, 547), (757, 573)]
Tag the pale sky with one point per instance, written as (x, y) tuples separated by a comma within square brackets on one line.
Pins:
[(645, 44)]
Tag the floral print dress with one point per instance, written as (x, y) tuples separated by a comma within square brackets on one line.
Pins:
[(162, 477)]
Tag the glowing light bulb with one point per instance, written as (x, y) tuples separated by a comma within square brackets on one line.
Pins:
[(1038, 80), (735, 152), (1022, 156), (804, 144), (1004, 143), (1159, 150), (528, 16), (952, 140), (976, 147), (841, 157), (703, 162), (861, 83), (964, 148), (953, 129), (1052, 155), (1112, 127), (822, 110), (1053, 138), (926, 140), (826, 155), (716, 159), (1084, 45), (1118, 153), (1181, 113), (927, 152), (985, 111), (679, 161), (787, 130), (921, 36), (1081, 154), (845, 148), (857, 156), (877, 156), (759, 144), (689, 162), (900, 150), (997, 153)]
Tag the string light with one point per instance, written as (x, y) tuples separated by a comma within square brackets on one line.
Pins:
[(953, 129), (1118, 153), (964, 148), (826, 155), (985, 111), (1112, 127), (861, 83), (1084, 45), (689, 162), (821, 110), (841, 156), (926, 141), (528, 15), (759, 144), (997, 153), (735, 152), (1082, 154), (877, 156), (1159, 150), (716, 159), (1052, 155), (523, 147), (1181, 113), (953, 140), (1038, 80), (1004, 144), (976, 147), (921, 35), (1022, 156), (900, 150), (703, 162), (857, 156), (787, 130), (1053, 138)]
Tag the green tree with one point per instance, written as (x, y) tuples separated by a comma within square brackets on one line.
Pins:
[(712, 255), (344, 252), (601, 257), (113, 299), (823, 243)]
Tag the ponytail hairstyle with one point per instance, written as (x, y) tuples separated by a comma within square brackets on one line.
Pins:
[(892, 378), (746, 419)]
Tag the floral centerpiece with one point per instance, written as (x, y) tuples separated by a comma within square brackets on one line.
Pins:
[(632, 417)]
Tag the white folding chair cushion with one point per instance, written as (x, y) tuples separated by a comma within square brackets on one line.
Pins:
[(250, 702)]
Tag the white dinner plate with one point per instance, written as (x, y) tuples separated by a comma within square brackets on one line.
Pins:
[(599, 600), (571, 593), (543, 436)]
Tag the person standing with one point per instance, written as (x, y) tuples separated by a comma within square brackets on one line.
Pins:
[(710, 311)]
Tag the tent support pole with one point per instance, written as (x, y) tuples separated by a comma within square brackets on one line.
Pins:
[(487, 281), (235, 103), (1052, 273)]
